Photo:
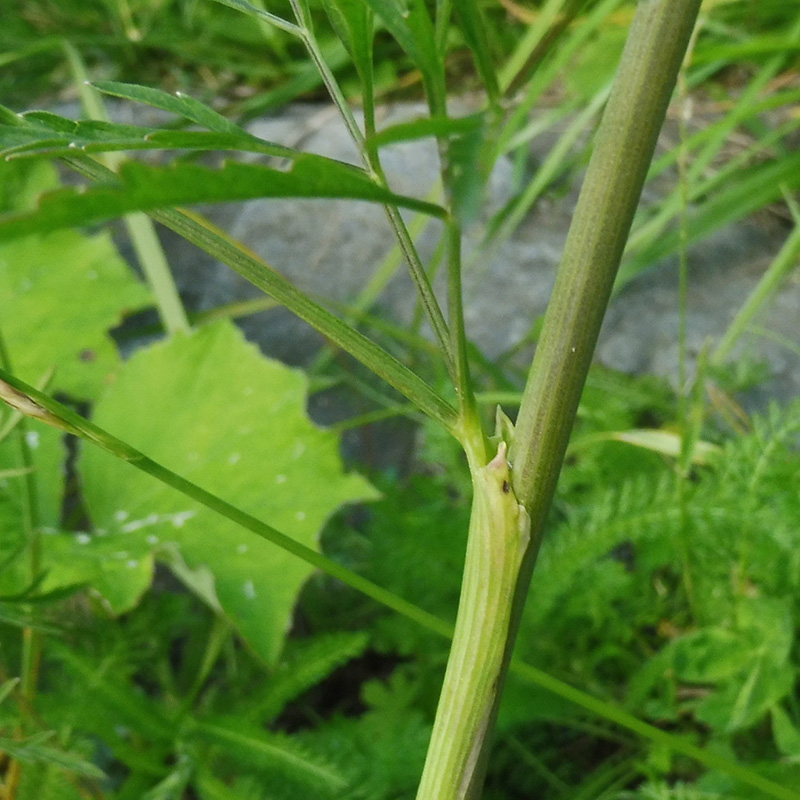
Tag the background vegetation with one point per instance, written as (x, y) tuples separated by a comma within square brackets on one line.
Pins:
[(669, 578)]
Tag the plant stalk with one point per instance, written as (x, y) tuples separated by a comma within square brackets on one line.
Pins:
[(498, 537), (624, 146)]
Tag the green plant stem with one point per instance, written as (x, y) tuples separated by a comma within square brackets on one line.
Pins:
[(623, 149), (145, 242), (44, 408), (371, 160), (466, 397), (498, 537)]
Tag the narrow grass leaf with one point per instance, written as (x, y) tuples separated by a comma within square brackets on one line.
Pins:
[(440, 127), (410, 24), (752, 48), (179, 103), (474, 30), (94, 137), (143, 187), (259, 13), (753, 189), (353, 22)]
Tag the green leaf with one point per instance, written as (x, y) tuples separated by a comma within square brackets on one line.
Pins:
[(468, 168), (410, 24), (273, 754), (353, 22), (441, 127), (175, 784), (142, 187), (60, 294), (179, 103), (785, 733), (115, 700), (259, 13), (48, 455), (91, 136), (749, 664), (304, 665), (751, 189), (473, 26), (34, 751), (7, 687), (212, 408), (120, 572)]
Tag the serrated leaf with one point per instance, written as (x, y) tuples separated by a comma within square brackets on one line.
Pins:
[(303, 667), (61, 293), (115, 700), (142, 187), (210, 407), (34, 751)]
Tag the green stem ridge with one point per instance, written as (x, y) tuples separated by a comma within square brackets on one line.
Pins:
[(498, 537)]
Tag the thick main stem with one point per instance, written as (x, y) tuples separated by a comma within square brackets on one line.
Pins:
[(623, 149), (626, 139)]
